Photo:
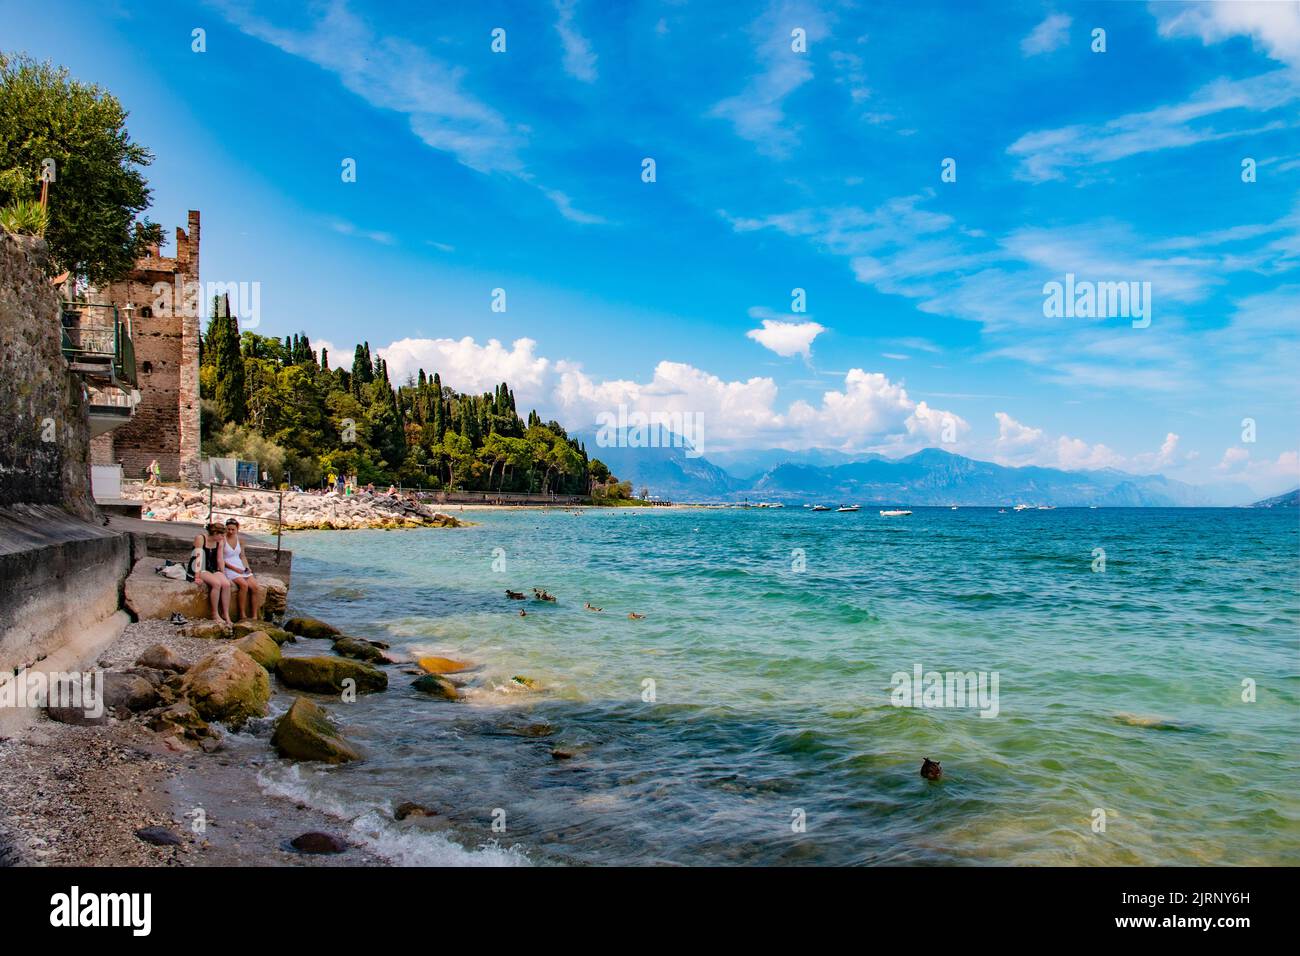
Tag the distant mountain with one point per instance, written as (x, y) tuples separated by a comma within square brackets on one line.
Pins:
[(666, 469), (936, 477), (928, 477), (1289, 500), (748, 465)]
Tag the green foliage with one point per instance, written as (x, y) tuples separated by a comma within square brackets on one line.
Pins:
[(25, 218), (314, 421), (98, 190)]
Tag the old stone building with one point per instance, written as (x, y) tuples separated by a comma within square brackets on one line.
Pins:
[(164, 300)]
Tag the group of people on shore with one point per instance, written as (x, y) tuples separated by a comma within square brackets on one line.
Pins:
[(219, 562)]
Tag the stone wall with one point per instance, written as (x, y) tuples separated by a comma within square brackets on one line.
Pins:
[(44, 436), (166, 337)]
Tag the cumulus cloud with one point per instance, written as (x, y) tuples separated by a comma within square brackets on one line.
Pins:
[(786, 338), (869, 412), (1019, 444), (1273, 28), (1048, 35)]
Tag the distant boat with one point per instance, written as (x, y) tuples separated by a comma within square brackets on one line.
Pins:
[(897, 513), (821, 508), (953, 508), (1093, 507), (847, 508), (1047, 507), (1002, 511), (1023, 507), (807, 506)]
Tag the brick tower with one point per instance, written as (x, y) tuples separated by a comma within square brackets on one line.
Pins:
[(165, 328)]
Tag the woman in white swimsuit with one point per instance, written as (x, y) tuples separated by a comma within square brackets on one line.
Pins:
[(248, 593)]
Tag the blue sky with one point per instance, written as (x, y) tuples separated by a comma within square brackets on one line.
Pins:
[(776, 169)]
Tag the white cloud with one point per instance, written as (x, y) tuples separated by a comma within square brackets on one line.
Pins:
[(567, 210), (1018, 444), (868, 412), (1273, 27), (787, 338), (392, 73), (579, 60), (1048, 35), (757, 113), (1049, 154)]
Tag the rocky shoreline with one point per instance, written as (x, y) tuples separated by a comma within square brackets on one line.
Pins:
[(151, 781), (303, 511)]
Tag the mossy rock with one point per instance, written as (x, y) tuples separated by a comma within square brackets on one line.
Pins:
[(247, 626), (358, 649), (279, 635), (436, 685), (228, 685), (325, 675), (305, 733), (311, 627), (260, 648)]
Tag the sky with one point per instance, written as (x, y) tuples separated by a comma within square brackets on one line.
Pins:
[(855, 214)]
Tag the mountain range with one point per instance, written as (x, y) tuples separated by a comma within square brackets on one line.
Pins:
[(928, 477)]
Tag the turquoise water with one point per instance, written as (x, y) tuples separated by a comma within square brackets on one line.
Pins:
[(1118, 690)]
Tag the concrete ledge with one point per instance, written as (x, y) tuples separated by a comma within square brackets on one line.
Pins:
[(62, 579)]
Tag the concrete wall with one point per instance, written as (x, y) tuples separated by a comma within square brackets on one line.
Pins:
[(61, 578), (44, 436)]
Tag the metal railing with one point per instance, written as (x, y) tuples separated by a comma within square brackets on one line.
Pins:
[(107, 345), (241, 490)]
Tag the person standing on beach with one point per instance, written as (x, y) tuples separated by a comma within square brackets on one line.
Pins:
[(248, 593)]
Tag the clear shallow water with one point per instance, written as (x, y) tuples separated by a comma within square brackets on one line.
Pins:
[(1118, 690)]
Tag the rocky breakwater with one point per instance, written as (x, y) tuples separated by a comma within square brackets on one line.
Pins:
[(260, 511)]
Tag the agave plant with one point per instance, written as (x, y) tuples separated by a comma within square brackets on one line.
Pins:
[(25, 217)]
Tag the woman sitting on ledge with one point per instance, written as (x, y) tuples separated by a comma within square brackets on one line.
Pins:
[(210, 570), (248, 593)]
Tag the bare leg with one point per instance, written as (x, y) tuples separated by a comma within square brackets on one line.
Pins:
[(214, 594), (225, 599), (257, 594)]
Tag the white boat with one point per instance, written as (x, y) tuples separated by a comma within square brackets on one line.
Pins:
[(1047, 507), (821, 508), (847, 508), (1023, 507), (953, 508), (896, 513)]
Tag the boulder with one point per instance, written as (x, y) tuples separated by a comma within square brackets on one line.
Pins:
[(207, 630), (443, 665), (131, 691), (158, 836), (160, 657), (318, 843), (325, 675), (305, 733), (436, 685), (260, 648), (277, 596), (74, 701), (228, 685), (310, 627), (180, 722), (247, 626), (279, 635), (361, 650), (409, 809), (150, 596)]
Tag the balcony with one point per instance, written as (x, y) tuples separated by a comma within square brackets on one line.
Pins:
[(97, 345)]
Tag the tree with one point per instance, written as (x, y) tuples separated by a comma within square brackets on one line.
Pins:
[(98, 191), (222, 351)]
